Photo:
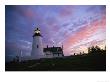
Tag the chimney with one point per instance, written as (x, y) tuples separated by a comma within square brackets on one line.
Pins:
[(62, 46), (47, 46)]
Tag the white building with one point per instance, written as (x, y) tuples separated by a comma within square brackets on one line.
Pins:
[(37, 47), (52, 52)]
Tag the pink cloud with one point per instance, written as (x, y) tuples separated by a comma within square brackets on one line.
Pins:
[(85, 32), (30, 13), (66, 11)]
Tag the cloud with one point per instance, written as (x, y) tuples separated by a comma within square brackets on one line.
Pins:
[(66, 11), (95, 31)]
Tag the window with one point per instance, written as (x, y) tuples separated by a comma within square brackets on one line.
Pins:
[(37, 46)]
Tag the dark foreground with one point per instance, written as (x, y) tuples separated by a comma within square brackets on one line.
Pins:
[(71, 63)]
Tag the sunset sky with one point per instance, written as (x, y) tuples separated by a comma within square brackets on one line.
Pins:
[(77, 27)]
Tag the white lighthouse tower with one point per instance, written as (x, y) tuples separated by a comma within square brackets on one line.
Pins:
[(37, 47)]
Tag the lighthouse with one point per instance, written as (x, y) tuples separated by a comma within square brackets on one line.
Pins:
[(37, 46)]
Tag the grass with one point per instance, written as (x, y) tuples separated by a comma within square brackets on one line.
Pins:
[(85, 62)]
